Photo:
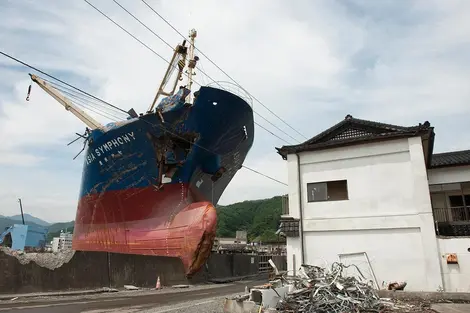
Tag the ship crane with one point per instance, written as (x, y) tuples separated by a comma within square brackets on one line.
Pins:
[(68, 105), (178, 62)]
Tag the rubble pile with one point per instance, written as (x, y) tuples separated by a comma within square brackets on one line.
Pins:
[(319, 290), (47, 260)]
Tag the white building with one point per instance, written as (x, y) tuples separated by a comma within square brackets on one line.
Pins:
[(63, 242), (359, 193), (55, 244)]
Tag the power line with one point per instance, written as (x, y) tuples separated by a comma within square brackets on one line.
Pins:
[(50, 76), (161, 57), (83, 98), (143, 24), (204, 148), (166, 21), (130, 34)]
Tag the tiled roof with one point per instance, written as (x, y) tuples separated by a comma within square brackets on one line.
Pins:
[(352, 131), (454, 158)]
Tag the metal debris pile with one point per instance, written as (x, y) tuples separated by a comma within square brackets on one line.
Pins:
[(317, 289), (337, 289)]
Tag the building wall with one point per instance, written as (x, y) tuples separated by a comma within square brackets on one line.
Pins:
[(18, 236), (65, 241), (55, 244), (224, 241), (449, 175), (456, 277), (36, 236), (388, 215)]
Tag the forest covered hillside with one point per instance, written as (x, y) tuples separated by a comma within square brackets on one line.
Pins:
[(260, 218)]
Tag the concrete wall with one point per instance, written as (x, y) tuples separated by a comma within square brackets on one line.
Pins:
[(89, 270), (388, 213), (99, 269), (456, 277), (221, 266), (85, 270), (449, 175)]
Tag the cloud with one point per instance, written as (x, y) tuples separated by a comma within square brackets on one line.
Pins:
[(311, 63)]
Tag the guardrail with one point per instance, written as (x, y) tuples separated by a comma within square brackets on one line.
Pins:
[(452, 214), (233, 88), (453, 221)]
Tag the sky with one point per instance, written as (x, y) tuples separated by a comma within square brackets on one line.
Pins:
[(310, 62)]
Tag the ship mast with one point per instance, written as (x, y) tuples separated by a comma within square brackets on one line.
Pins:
[(68, 105), (179, 61), (192, 62)]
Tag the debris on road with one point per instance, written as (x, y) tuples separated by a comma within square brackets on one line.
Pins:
[(180, 286), (131, 287), (319, 290), (397, 286)]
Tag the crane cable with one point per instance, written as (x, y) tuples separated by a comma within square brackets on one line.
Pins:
[(161, 57), (205, 56), (88, 94)]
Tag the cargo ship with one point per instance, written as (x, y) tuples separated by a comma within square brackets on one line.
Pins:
[(150, 183)]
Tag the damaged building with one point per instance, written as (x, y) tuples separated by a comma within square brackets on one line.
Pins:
[(24, 237), (376, 195)]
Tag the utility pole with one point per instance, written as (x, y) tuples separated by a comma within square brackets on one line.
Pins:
[(21, 208)]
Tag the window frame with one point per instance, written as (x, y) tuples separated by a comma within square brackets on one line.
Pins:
[(325, 183)]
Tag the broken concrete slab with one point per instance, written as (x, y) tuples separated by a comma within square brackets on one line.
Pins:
[(180, 286), (234, 306)]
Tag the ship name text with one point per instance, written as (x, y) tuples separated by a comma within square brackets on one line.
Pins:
[(108, 146)]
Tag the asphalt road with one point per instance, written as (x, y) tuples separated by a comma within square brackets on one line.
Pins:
[(123, 302)]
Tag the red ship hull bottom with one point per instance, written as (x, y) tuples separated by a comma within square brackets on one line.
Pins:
[(147, 221)]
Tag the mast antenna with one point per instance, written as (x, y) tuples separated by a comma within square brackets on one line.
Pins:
[(192, 61), (178, 61)]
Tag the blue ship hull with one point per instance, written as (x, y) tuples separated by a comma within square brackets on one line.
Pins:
[(150, 187)]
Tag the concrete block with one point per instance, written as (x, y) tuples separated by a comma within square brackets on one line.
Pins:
[(269, 297), (233, 306)]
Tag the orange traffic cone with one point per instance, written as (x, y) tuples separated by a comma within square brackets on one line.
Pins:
[(158, 283)]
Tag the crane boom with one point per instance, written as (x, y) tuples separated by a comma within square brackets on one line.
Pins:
[(68, 105)]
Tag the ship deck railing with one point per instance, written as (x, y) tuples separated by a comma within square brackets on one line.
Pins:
[(233, 88)]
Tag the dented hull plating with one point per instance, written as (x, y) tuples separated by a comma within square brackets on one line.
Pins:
[(127, 206)]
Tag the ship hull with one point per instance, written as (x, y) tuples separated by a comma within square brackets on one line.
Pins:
[(133, 202)]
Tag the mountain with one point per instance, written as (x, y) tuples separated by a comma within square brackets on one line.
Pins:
[(28, 218), (57, 227), (7, 222), (260, 218)]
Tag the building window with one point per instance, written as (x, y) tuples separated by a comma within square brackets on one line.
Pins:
[(327, 191)]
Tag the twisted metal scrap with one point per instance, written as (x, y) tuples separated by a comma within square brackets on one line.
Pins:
[(324, 291)]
